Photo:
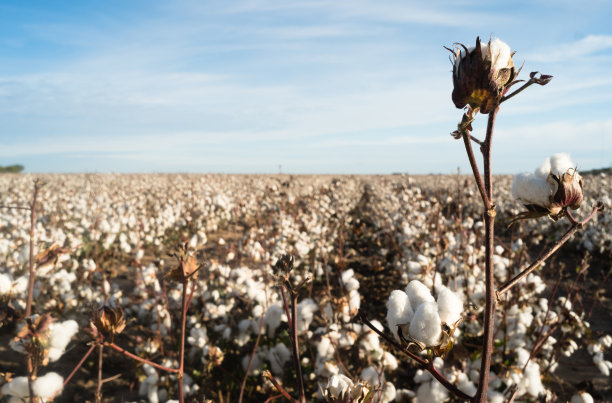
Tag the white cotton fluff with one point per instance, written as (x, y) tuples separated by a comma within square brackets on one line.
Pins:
[(48, 385), (465, 385), (278, 357), (5, 283), (450, 306), (18, 387), (531, 189), (272, 318), (418, 293), (337, 385), (425, 325), (500, 53), (349, 281), (305, 314), (582, 397), (534, 383), (560, 163), (399, 312), (371, 376), (388, 393), (431, 392), (59, 337), (543, 171)]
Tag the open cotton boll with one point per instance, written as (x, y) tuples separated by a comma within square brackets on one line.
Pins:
[(48, 385), (425, 325), (370, 375), (18, 387), (399, 312), (560, 163), (418, 293), (450, 306), (60, 336), (531, 189), (337, 385)]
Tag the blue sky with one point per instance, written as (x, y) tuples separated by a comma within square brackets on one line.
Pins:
[(353, 86)]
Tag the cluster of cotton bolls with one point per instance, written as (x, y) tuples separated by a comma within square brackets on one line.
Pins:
[(423, 234)]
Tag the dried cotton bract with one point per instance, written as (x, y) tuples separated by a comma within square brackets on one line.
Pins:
[(550, 190)]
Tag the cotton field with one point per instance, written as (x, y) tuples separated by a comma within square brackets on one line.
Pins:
[(371, 268)]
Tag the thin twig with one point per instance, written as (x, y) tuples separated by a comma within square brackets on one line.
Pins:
[(474, 165), (137, 358), (248, 369), (76, 368), (99, 387), (570, 232), (182, 348), (278, 387)]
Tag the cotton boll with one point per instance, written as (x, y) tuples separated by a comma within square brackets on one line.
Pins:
[(530, 189), (582, 397), (418, 293), (534, 386), (399, 312), (370, 375), (337, 385), (350, 282), (272, 318), (388, 393), (426, 326), (59, 337), (278, 357), (48, 385), (500, 54), (465, 385), (431, 392), (18, 387), (305, 314), (450, 306)]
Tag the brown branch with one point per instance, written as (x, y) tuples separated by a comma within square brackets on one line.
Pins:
[(570, 232), (140, 359), (80, 363)]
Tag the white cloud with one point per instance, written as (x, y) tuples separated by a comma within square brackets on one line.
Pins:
[(586, 46)]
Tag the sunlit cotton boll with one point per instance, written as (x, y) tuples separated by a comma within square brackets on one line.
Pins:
[(418, 293), (48, 386), (17, 388), (305, 314), (278, 356), (399, 312), (337, 385), (531, 189), (425, 325), (582, 397), (59, 337), (450, 306)]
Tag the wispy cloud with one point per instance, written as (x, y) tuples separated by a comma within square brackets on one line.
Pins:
[(587, 46)]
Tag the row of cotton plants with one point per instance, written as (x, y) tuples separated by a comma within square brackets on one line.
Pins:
[(103, 254)]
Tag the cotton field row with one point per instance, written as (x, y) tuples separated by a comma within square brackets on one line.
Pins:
[(111, 253)]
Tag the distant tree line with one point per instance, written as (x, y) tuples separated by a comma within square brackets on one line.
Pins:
[(14, 169)]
